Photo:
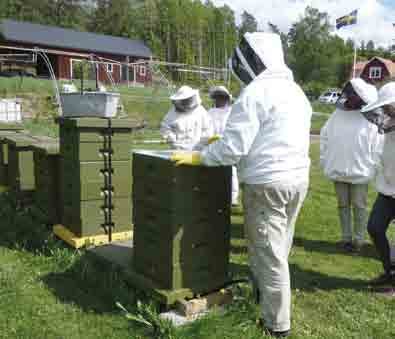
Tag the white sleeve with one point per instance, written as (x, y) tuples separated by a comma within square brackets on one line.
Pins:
[(323, 143), (239, 134), (165, 128), (377, 144), (207, 126)]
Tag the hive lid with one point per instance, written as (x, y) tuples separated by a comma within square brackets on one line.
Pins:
[(158, 154), (7, 126), (47, 145), (20, 140), (97, 122)]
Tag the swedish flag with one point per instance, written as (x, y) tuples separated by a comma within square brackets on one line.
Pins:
[(346, 20)]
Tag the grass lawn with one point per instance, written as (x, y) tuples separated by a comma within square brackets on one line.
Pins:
[(50, 291)]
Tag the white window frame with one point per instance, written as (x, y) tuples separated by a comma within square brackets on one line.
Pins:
[(142, 71), (375, 72), (110, 68)]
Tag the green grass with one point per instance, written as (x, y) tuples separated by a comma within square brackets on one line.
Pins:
[(50, 291), (323, 108)]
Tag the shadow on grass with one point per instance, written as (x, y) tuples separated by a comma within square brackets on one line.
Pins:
[(93, 285), (308, 280), (328, 247)]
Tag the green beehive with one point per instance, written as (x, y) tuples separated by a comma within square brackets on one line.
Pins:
[(46, 173), (84, 149), (4, 156), (20, 162), (181, 217)]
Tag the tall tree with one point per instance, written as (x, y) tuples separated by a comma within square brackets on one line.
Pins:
[(248, 23)]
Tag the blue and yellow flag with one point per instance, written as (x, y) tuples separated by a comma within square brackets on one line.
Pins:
[(349, 19)]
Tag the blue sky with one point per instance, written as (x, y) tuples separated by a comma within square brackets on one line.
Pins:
[(375, 17)]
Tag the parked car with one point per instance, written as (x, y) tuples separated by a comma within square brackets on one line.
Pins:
[(329, 97)]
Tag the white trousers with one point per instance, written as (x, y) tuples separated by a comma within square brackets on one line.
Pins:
[(271, 211), (355, 197), (235, 186)]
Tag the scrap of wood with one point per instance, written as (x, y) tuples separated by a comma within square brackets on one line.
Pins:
[(190, 308)]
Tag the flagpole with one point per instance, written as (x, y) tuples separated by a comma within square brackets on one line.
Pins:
[(355, 57)]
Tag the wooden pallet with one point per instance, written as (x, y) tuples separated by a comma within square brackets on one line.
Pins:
[(94, 240)]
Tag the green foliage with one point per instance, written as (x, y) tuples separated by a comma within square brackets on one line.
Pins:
[(248, 23), (146, 315)]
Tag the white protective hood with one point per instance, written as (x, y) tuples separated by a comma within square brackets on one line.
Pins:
[(269, 48), (366, 92), (350, 146), (267, 133)]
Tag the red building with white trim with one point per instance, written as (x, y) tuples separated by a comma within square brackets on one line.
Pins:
[(66, 48)]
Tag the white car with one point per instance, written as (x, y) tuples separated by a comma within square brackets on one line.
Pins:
[(329, 97)]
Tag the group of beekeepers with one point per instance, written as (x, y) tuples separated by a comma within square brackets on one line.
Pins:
[(265, 134)]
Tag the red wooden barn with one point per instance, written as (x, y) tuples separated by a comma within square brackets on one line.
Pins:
[(66, 48)]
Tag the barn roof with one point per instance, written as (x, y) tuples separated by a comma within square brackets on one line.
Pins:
[(50, 36), (388, 63)]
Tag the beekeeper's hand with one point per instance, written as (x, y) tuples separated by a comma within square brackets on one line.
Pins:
[(186, 158), (214, 138)]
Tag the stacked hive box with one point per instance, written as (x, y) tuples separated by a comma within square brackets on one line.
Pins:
[(84, 154), (21, 163), (46, 173), (6, 129), (181, 221)]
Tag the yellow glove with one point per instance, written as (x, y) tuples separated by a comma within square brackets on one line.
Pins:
[(214, 138), (186, 158)]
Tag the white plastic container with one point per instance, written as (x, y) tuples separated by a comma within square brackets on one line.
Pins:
[(90, 104), (10, 110)]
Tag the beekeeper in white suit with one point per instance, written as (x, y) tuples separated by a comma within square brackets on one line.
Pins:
[(349, 152), (267, 135), (382, 114), (187, 122), (219, 114)]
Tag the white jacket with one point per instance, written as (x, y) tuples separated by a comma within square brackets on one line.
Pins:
[(218, 117), (349, 147), (267, 132), (185, 130), (385, 183)]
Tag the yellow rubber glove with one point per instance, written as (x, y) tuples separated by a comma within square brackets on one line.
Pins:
[(186, 158), (214, 138)]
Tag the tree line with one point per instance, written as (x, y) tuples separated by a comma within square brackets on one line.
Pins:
[(199, 33)]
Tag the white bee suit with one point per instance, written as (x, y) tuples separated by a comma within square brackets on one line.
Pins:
[(219, 117), (185, 130), (267, 136)]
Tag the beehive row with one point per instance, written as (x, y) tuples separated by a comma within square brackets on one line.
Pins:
[(67, 177)]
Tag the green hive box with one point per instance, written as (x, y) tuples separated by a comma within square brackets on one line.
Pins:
[(47, 185), (181, 217), (21, 162), (4, 155), (84, 154)]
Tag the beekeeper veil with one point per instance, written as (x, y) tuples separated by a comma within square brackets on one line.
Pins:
[(356, 94), (382, 111), (255, 53), (185, 99)]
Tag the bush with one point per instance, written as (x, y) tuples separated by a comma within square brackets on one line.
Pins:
[(314, 89)]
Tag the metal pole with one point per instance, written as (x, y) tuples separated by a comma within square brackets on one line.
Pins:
[(355, 58)]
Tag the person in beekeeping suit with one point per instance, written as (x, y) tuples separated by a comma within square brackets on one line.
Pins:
[(267, 135), (219, 114), (382, 114), (187, 123), (349, 153)]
